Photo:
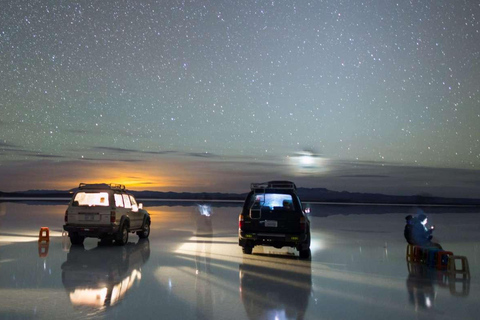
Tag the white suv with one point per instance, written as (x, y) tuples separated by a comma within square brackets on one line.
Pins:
[(107, 212)]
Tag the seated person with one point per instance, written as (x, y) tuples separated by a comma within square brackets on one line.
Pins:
[(417, 233), (407, 232)]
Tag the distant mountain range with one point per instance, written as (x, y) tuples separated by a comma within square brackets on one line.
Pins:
[(306, 194)]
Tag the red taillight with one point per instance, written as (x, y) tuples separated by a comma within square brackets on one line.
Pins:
[(66, 216), (240, 222), (302, 223), (112, 216)]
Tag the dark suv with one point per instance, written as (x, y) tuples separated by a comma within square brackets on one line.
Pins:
[(272, 215)]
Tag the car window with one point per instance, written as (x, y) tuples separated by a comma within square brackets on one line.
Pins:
[(134, 204), (91, 199), (274, 201), (118, 200), (126, 201)]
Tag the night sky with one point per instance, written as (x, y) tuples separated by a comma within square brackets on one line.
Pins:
[(372, 96)]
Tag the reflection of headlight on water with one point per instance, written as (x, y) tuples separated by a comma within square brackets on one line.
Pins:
[(205, 210), (428, 302), (317, 245)]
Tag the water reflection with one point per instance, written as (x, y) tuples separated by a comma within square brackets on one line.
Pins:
[(423, 281), (3, 209), (203, 285), (275, 292), (100, 277), (43, 249)]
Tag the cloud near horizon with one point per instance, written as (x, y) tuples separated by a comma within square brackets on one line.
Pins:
[(198, 174)]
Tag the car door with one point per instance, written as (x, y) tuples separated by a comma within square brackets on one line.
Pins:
[(128, 208), (120, 207), (136, 214)]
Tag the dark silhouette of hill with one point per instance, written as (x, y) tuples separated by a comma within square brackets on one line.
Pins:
[(306, 194)]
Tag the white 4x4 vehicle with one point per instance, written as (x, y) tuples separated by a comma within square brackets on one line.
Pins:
[(107, 212)]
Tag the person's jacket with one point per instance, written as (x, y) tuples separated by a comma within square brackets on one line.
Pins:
[(408, 231), (420, 234)]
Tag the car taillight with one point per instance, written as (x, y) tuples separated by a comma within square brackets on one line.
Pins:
[(66, 216), (240, 221), (112, 216), (302, 223)]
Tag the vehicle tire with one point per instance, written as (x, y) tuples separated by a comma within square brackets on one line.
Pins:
[(122, 235), (247, 249), (145, 230), (145, 249), (106, 241), (305, 254), (76, 240)]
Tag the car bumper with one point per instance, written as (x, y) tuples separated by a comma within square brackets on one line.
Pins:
[(92, 231), (271, 239)]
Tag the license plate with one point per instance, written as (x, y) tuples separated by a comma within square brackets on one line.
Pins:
[(89, 217), (271, 223)]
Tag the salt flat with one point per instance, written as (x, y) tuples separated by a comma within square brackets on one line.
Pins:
[(193, 268)]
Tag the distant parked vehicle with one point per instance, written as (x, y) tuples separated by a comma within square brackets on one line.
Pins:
[(107, 212), (272, 215)]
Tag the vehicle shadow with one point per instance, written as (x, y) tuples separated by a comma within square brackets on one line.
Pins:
[(100, 277)]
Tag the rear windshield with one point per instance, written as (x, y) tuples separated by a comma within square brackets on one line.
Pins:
[(274, 201), (91, 199)]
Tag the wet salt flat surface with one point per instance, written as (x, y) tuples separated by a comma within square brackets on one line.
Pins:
[(193, 268)]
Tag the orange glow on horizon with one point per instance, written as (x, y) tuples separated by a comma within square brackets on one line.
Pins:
[(130, 177), (146, 176), (177, 175)]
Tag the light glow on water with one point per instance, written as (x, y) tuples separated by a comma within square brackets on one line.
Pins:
[(89, 297)]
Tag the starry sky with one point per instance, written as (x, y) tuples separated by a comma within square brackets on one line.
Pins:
[(364, 96)]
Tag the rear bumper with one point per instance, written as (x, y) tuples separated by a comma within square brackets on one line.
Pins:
[(92, 231), (296, 240)]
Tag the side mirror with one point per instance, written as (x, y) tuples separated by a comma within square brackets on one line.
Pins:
[(140, 206)]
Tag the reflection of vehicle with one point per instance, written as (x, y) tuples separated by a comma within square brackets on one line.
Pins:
[(272, 215), (100, 277), (105, 211), (275, 293)]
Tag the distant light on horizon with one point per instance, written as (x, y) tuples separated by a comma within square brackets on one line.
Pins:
[(307, 162)]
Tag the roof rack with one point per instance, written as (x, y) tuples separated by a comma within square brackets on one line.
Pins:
[(274, 185), (113, 186)]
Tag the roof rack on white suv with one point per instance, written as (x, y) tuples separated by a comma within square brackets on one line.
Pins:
[(113, 186), (274, 185)]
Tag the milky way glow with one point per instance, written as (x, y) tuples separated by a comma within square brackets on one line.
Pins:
[(235, 87)]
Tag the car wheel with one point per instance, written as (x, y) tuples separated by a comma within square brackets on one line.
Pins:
[(106, 241), (247, 249), (145, 231), (305, 254), (122, 236), (76, 240)]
